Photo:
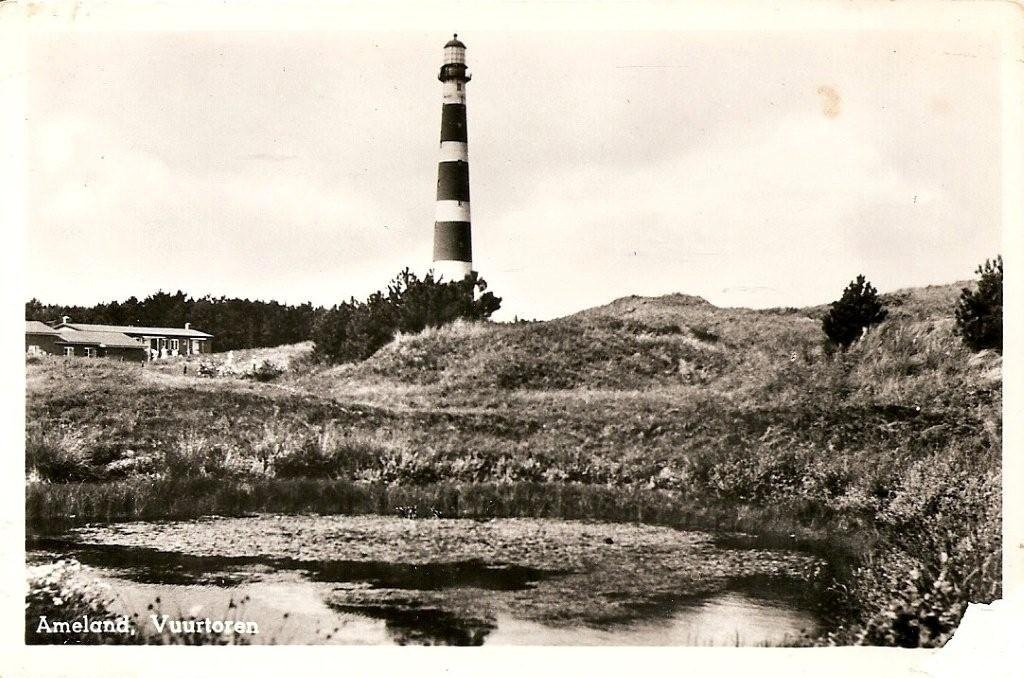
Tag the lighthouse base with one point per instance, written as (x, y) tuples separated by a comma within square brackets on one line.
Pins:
[(451, 271)]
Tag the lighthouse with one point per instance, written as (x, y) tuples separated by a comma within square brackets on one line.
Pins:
[(453, 249)]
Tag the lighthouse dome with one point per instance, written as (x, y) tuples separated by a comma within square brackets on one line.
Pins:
[(455, 42)]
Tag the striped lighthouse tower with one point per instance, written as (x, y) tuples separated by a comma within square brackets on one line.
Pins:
[(453, 250)]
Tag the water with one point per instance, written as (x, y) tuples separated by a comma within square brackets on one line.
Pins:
[(574, 583)]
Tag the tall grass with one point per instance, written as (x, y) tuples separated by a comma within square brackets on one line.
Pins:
[(57, 454), (55, 507)]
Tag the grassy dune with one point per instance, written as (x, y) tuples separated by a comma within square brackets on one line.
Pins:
[(665, 410)]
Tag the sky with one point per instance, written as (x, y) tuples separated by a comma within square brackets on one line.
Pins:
[(753, 168)]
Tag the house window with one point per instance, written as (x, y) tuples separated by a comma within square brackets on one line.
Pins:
[(69, 350), (174, 344), (90, 352)]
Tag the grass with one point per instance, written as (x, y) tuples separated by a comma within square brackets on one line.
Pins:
[(664, 410)]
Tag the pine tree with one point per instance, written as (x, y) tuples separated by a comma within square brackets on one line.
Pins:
[(851, 314), (979, 314), (355, 330)]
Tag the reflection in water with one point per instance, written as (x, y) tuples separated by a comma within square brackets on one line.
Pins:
[(468, 602), (731, 618), (151, 566), (738, 619), (728, 619), (426, 626)]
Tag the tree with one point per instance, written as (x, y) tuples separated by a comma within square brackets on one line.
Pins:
[(434, 302), (34, 310), (355, 330), (858, 309), (979, 314)]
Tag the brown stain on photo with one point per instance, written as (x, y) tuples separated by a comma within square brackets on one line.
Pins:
[(831, 102), (940, 105), (34, 8)]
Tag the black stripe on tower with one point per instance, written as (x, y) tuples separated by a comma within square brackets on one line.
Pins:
[(452, 241), (453, 122), (453, 180), (454, 72)]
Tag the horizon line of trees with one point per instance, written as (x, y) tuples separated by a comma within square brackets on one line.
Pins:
[(348, 331), (234, 323)]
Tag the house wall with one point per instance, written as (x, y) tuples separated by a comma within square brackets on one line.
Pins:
[(152, 341), (47, 343), (184, 344), (113, 353)]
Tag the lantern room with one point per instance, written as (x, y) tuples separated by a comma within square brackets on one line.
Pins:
[(454, 65)]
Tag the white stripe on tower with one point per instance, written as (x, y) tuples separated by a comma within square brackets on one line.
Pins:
[(453, 151), (452, 270), (451, 210), (453, 92), (453, 249)]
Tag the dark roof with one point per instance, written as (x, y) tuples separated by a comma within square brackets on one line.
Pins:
[(455, 42), (36, 327), (139, 331), (104, 339)]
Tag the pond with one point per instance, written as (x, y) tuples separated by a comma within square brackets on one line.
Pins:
[(381, 580)]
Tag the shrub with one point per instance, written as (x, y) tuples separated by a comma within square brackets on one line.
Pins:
[(946, 518), (979, 314), (355, 330), (704, 334), (265, 371), (321, 457), (58, 456), (193, 454), (851, 314)]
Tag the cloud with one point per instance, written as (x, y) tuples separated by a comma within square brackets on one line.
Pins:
[(134, 222), (778, 208)]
